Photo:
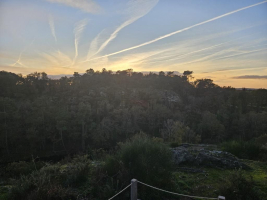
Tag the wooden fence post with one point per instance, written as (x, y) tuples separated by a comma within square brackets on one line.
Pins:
[(134, 189)]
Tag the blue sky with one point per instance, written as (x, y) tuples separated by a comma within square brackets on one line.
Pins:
[(219, 39)]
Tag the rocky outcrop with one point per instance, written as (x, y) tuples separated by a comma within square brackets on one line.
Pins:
[(202, 155)]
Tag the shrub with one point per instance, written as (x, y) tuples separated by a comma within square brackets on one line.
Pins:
[(245, 150), (147, 160), (4, 193), (76, 172), (174, 144), (112, 165), (16, 169), (262, 140), (238, 187), (53, 181)]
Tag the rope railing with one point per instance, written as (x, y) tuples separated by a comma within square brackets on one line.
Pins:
[(174, 193), (120, 192), (134, 191)]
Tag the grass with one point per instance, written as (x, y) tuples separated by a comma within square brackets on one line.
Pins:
[(4, 192), (146, 159), (210, 180), (206, 183)]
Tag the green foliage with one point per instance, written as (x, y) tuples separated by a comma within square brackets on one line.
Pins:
[(177, 133), (113, 165), (261, 140), (98, 109), (246, 150), (211, 182), (4, 193), (53, 181), (147, 160), (238, 187), (16, 169), (174, 144), (210, 128), (95, 111)]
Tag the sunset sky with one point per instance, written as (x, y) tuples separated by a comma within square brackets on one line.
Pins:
[(223, 40)]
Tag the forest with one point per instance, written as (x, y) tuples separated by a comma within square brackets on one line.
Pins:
[(90, 117)]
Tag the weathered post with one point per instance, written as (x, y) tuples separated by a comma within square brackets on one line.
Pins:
[(134, 189)]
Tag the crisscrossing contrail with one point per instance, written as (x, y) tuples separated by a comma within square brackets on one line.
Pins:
[(179, 31)]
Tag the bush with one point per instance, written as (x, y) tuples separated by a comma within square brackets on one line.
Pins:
[(43, 184), (113, 165), (262, 140), (147, 160), (238, 187), (174, 144), (76, 172), (245, 150), (53, 181), (16, 169)]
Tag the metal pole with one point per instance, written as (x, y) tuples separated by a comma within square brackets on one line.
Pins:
[(134, 189)]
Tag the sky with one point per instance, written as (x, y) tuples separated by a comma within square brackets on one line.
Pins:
[(222, 40)]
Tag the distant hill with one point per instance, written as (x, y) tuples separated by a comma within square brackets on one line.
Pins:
[(247, 88), (59, 76), (144, 72)]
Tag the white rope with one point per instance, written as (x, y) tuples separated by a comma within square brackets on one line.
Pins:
[(119, 192), (175, 193)]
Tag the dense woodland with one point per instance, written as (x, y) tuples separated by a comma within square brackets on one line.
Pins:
[(45, 117), (86, 136)]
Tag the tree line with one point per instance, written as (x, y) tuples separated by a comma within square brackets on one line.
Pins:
[(45, 117)]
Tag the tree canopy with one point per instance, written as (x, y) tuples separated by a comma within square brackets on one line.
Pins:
[(44, 117)]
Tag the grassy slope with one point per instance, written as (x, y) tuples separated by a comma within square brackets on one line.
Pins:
[(205, 183), (208, 182)]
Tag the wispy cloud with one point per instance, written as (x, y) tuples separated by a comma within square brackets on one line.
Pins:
[(20, 55), (187, 48), (136, 10), (216, 52), (79, 27), (250, 77), (182, 30), (52, 27), (235, 66), (57, 59), (242, 53), (94, 44), (85, 5), (135, 60)]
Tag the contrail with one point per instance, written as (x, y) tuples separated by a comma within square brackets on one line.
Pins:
[(57, 58), (94, 44), (248, 52), (179, 31), (174, 55), (179, 57), (52, 27), (220, 52), (235, 69), (19, 58), (138, 9), (204, 58), (207, 48), (77, 35)]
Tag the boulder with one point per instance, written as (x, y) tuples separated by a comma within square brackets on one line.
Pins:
[(200, 155)]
